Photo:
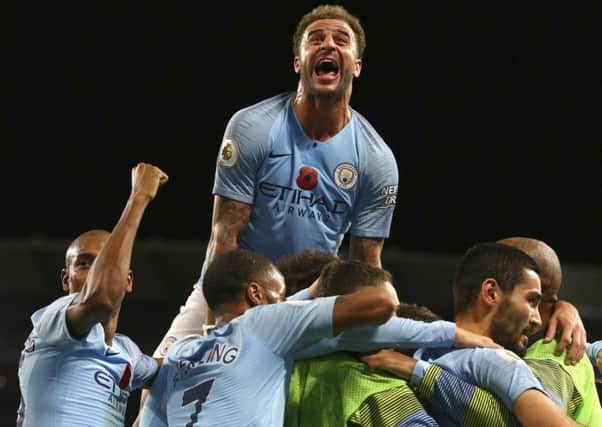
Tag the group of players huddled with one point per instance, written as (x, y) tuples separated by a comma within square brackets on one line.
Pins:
[(281, 330)]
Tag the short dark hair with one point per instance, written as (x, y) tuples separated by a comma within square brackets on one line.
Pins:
[(330, 11), (228, 274), (301, 269), (417, 312), (341, 277), (506, 264)]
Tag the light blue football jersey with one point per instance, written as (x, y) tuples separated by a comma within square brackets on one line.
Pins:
[(395, 333), (498, 370), (68, 382), (238, 374), (305, 193)]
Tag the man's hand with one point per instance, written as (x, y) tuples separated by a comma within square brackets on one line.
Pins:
[(466, 338), (567, 319), (146, 179), (390, 361)]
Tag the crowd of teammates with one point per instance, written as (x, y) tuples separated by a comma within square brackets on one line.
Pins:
[(295, 173)]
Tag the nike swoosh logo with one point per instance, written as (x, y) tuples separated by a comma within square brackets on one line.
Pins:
[(273, 156), (111, 353)]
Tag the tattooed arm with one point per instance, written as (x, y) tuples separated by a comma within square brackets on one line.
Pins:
[(230, 218), (366, 249)]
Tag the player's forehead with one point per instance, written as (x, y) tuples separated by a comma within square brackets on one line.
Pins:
[(529, 284), (328, 25), (89, 245)]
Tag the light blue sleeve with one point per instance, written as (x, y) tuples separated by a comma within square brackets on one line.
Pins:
[(592, 350), (497, 370), (145, 369), (301, 295), (243, 149), (373, 209), (451, 399), (289, 326), (154, 412), (397, 332), (50, 322)]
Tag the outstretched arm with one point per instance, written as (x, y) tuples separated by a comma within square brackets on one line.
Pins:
[(108, 279), (566, 319), (367, 306)]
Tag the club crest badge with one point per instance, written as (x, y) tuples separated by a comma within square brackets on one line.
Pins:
[(345, 176), (228, 153), (166, 344)]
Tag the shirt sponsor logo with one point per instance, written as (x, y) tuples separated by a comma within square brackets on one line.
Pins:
[(345, 176), (228, 153), (116, 397), (293, 196), (302, 203)]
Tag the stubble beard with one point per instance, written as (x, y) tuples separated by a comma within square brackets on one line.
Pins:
[(505, 332)]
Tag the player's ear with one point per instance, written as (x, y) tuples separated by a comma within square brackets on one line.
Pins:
[(255, 294), (130, 280), (490, 292), (357, 67), (65, 279)]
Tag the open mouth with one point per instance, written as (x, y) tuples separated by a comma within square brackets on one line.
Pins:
[(326, 67)]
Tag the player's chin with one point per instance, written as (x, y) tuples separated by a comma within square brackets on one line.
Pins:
[(521, 345), (331, 90)]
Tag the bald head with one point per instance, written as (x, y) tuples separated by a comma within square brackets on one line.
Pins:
[(550, 272), (79, 257), (95, 237), (544, 256)]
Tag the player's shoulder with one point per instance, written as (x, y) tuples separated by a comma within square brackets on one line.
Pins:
[(498, 354), (185, 347), (371, 136), (55, 305), (497, 357), (126, 343), (267, 108)]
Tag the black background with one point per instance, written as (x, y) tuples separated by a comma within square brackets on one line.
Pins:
[(491, 109)]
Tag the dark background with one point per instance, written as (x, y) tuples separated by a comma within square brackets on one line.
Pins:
[(492, 110)]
